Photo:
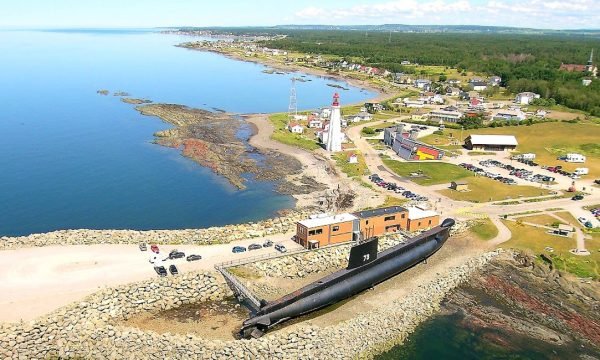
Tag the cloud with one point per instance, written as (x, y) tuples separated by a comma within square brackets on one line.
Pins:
[(524, 13)]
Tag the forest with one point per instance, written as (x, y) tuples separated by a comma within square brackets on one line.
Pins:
[(525, 62)]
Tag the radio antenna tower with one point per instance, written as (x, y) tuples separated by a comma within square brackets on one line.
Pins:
[(293, 107)]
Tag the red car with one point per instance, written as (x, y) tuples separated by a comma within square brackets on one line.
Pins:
[(154, 248)]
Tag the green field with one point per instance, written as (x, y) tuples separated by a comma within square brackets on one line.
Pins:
[(483, 189), (541, 219), (352, 170), (535, 239), (432, 173), (484, 229), (283, 135)]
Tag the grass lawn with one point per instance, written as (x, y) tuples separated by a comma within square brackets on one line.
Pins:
[(433, 172), (393, 201), (534, 239), (283, 135), (352, 170), (483, 189), (549, 140), (541, 219), (484, 229)]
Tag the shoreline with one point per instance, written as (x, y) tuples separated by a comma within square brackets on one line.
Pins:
[(381, 93)]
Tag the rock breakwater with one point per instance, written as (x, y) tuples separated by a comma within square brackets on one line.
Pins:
[(211, 235)]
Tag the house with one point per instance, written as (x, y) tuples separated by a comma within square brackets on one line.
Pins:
[(405, 62), (403, 78), (352, 158), (413, 103), (491, 142), (541, 113), (420, 218), (475, 102), (373, 107), (509, 115), (295, 128), (453, 82), (299, 117), (315, 122), (586, 82), (495, 80), (526, 98), (361, 116), (478, 85), (445, 116), (459, 186), (423, 84)]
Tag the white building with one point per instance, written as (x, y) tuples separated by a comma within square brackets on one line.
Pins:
[(296, 128), (509, 115), (361, 116), (335, 135), (586, 82), (525, 98), (315, 123), (413, 103), (445, 116)]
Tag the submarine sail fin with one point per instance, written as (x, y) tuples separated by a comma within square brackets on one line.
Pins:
[(363, 254)]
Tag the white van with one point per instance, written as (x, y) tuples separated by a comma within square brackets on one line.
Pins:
[(581, 171), (576, 158)]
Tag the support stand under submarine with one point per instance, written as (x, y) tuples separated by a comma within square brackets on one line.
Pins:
[(366, 268)]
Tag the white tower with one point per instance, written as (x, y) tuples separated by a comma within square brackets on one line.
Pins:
[(334, 136)]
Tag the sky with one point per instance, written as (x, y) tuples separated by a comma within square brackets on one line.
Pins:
[(546, 14)]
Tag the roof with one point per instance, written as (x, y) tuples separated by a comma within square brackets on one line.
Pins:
[(448, 113), (572, 67), (294, 125), (415, 213), (493, 140), (322, 220), (378, 212)]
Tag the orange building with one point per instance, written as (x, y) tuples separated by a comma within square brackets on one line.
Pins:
[(377, 222), (419, 219), (321, 230)]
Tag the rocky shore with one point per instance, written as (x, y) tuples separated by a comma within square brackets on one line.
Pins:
[(212, 235), (211, 139), (524, 296)]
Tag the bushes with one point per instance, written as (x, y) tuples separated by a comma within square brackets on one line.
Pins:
[(368, 131)]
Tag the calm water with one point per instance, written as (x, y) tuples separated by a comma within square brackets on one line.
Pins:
[(70, 158)]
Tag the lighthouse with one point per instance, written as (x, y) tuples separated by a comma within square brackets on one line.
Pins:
[(334, 136)]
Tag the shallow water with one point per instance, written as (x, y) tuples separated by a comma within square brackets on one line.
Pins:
[(71, 158)]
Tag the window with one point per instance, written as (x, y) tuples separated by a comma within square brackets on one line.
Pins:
[(367, 222), (419, 223), (429, 222), (336, 228), (403, 216), (315, 232), (389, 218)]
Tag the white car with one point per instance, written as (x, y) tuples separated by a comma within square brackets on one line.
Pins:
[(582, 220)]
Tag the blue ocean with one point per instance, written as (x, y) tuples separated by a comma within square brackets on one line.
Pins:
[(71, 158)]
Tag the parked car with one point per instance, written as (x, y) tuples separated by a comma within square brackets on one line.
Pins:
[(238, 249), (588, 224), (254, 247), (175, 254), (173, 270), (193, 257), (143, 247), (267, 243), (280, 248), (154, 248), (577, 197), (160, 270)]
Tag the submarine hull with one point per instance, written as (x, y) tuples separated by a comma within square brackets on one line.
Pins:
[(348, 282)]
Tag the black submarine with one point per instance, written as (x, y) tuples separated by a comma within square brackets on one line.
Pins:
[(365, 269)]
